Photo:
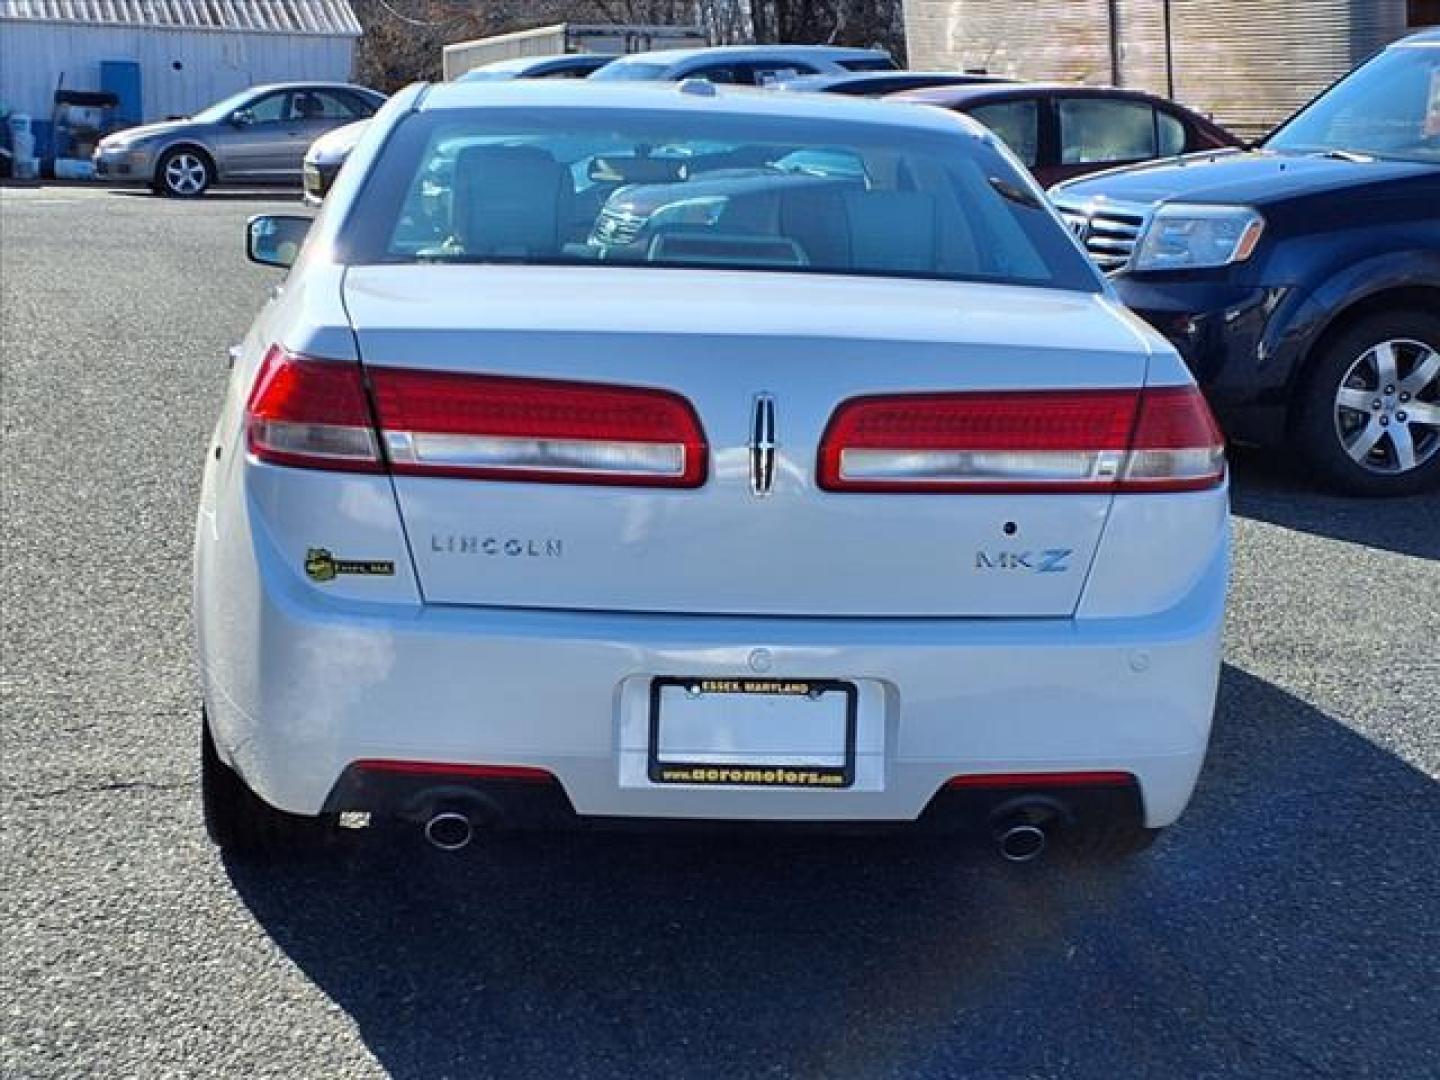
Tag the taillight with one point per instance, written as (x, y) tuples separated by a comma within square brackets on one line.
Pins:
[(312, 414), (317, 414), (1177, 445), (1017, 441), (501, 428)]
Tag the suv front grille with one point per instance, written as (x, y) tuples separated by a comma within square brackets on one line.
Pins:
[(1109, 231), (618, 227)]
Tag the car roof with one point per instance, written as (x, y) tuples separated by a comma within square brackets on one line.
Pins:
[(843, 78), (311, 85), (691, 96), (671, 57), (971, 93)]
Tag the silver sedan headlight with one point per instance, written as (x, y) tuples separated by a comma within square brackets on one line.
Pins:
[(115, 146), (1184, 237)]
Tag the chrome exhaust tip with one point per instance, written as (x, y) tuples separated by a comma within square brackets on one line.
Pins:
[(449, 831), (1020, 843)]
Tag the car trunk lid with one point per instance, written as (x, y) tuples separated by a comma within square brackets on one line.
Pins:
[(736, 345)]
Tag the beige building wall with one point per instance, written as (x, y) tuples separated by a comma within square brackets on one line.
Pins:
[(1249, 63), (1021, 38)]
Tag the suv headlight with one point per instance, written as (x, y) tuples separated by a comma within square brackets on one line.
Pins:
[(1182, 237)]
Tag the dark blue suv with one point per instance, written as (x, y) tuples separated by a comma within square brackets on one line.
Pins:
[(1301, 279)]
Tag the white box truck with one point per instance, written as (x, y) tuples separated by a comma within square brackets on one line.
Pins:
[(562, 38)]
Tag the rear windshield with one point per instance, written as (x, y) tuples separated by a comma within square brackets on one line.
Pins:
[(742, 192)]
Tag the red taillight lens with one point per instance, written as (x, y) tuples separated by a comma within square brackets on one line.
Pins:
[(527, 773), (312, 414), (500, 428), (1055, 441), (316, 414), (1041, 780), (1177, 445), (978, 441)]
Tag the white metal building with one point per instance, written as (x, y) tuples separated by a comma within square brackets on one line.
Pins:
[(189, 52)]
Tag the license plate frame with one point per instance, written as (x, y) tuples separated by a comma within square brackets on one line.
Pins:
[(778, 775)]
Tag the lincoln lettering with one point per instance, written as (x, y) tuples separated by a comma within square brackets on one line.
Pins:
[(515, 547)]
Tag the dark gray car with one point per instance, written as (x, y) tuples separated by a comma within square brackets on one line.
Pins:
[(259, 135)]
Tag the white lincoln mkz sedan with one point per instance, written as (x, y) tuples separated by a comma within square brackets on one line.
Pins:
[(675, 453)]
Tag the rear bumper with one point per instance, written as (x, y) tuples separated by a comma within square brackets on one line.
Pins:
[(300, 686), (975, 808)]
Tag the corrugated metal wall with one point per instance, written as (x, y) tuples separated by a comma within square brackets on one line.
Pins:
[(1252, 65), (1249, 63), (1141, 36), (282, 16), (212, 63), (1029, 39)]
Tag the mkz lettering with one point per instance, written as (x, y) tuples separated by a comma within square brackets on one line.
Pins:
[(1048, 561)]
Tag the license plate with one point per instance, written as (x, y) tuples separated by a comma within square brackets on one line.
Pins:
[(752, 732)]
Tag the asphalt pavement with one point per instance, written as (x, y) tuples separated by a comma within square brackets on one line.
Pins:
[(1288, 926)]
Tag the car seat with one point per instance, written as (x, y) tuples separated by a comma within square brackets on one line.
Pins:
[(814, 216), (510, 201), (892, 230)]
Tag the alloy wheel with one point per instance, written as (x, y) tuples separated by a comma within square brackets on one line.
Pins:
[(1387, 407), (185, 174)]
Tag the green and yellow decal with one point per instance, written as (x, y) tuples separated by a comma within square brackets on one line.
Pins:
[(322, 566)]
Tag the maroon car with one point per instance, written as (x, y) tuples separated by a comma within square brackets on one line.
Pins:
[(1062, 131)]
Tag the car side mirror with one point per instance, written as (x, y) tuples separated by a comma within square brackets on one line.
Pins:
[(242, 118), (275, 239)]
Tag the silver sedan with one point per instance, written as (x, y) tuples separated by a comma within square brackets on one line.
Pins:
[(256, 136)]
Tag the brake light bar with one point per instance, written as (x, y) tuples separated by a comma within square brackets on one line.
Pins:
[(503, 428), (1024, 441), (311, 414)]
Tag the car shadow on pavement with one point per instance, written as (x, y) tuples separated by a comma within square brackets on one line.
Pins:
[(257, 195), (1271, 487), (1286, 926)]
